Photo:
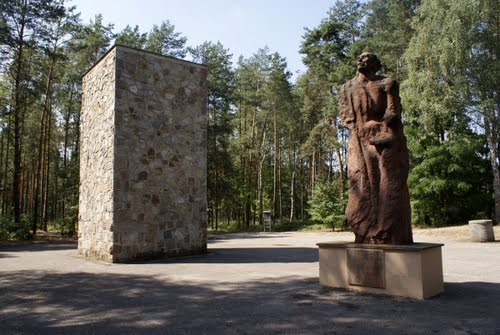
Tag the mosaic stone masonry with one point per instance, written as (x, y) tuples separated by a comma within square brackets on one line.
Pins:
[(143, 159)]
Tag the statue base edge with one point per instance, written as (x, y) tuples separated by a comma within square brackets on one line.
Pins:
[(412, 271)]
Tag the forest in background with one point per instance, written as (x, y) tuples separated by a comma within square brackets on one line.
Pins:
[(273, 144)]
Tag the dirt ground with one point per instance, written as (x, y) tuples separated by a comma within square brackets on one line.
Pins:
[(459, 233), (248, 283)]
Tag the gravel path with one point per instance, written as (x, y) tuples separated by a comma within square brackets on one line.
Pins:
[(249, 283)]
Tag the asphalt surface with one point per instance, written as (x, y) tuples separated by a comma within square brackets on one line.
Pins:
[(252, 283)]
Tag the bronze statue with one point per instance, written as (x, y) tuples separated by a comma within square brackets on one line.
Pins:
[(378, 208)]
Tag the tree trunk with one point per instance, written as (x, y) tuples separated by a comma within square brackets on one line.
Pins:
[(5, 194), (260, 178), (32, 180), (491, 137), (2, 176), (261, 193), (248, 212), (215, 175), (46, 213), (313, 173), (292, 186), (275, 167), (280, 186), (55, 194), (16, 183), (65, 153), (330, 165), (302, 190), (16, 180), (40, 173), (25, 182), (341, 172)]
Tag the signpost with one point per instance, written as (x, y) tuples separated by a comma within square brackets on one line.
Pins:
[(267, 220)]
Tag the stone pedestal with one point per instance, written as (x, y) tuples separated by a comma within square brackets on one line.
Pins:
[(413, 271), (481, 231), (143, 157)]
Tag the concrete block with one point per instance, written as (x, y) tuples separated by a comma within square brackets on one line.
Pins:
[(481, 231), (413, 271)]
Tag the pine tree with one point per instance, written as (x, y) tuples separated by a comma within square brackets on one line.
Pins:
[(21, 21), (165, 41), (220, 98), (132, 37), (330, 51)]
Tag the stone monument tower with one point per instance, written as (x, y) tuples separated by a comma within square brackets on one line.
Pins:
[(143, 159)]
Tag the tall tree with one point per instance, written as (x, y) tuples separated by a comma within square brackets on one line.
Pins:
[(132, 37), (164, 40), (91, 42), (251, 76), (314, 94), (220, 98), (56, 31), (454, 73), (388, 32), (19, 18), (265, 105), (279, 102), (20, 21), (86, 46), (331, 47), (330, 50)]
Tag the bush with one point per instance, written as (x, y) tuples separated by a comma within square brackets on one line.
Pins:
[(450, 186), (66, 226), (11, 231), (327, 204)]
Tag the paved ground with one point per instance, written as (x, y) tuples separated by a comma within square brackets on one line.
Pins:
[(253, 283)]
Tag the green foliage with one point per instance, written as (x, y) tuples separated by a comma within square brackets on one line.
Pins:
[(451, 184), (91, 42), (331, 48), (315, 94), (327, 204), (280, 226), (132, 37), (265, 136), (220, 82), (9, 230), (454, 73), (165, 41), (388, 32), (445, 59), (272, 144)]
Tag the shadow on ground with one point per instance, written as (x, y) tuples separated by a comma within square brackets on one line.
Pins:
[(248, 255), (84, 303), (214, 256), (39, 246), (245, 235)]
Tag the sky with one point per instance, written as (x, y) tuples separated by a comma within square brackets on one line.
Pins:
[(242, 26)]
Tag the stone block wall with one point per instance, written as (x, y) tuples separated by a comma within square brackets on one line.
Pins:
[(95, 219), (143, 157)]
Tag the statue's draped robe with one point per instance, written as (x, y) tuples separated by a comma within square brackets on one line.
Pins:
[(378, 208)]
